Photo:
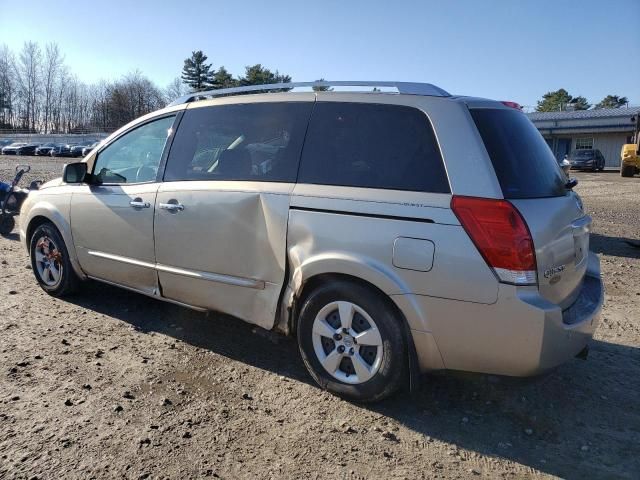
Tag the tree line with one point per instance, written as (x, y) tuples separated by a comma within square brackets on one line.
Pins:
[(40, 94), (560, 100)]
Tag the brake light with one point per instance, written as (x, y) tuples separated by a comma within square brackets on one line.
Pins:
[(501, 236), (515, 105)]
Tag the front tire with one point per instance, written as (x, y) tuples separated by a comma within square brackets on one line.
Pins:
[(50, 262), (352, 342), (627, 171)]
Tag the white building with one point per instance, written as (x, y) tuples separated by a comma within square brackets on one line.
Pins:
[(604, 129)]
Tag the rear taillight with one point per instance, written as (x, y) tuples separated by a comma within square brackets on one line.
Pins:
[(515, 105), (501, 235)]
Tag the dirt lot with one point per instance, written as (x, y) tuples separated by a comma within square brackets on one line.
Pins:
[(111, 384)]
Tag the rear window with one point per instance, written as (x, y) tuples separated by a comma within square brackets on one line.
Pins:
[(374, 146), (522, 160)]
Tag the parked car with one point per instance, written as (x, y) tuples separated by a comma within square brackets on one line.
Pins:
[(20, 149), (392, 233), (45, 149), (591, 159), (87, 149), (5, 142), (61, 150)]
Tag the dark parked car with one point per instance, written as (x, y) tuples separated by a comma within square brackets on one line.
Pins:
[(61, 150), (76, 150), (590, 159), (88, 148), (5, 143), (45, 149), (20, 149)]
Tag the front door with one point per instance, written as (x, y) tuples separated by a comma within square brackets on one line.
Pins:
[(112, 217), (563, 148), (221, 213)]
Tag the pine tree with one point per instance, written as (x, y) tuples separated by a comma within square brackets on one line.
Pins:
[(612, 101), (560, 100), (223, 79), (196, 73)]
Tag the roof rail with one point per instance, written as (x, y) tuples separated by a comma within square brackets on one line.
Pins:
[(410, 88)]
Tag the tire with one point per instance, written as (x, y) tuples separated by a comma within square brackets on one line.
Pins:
[(50, 262), (381, 365), (627, 171), (7, 222)]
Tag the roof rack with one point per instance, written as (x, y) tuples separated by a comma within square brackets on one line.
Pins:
[(409, 88)]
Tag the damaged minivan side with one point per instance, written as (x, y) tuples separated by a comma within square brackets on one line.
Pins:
[(391, 233)]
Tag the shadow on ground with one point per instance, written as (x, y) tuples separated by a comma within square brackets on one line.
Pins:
[(12, 236), (556, 423), (615, 246)]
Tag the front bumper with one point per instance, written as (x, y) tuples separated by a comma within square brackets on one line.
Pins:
[(586, 164), (521, 334)]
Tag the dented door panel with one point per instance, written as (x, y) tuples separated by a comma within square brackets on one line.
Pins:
[(225, 249)]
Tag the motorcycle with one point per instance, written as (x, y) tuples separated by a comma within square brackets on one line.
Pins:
[(12, 197)]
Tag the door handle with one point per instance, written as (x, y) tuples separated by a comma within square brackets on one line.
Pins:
[(172, 207), (139, 203)]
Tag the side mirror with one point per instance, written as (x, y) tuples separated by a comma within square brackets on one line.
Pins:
[(74, 172)]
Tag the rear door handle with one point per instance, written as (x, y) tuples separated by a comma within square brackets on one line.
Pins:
[(139, 203), (172, 207)]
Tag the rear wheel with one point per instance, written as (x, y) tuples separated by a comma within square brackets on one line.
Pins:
[(50, 262), (352, 342)]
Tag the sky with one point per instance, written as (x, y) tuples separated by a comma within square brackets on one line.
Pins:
[(503, 49)]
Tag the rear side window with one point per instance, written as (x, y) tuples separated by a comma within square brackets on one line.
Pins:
[(257, 142), (522, 160), (372, 145)]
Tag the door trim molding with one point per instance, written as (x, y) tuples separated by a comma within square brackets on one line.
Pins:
[(198, 274)]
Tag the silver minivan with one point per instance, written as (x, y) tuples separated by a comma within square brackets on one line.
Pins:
[(393, 232)]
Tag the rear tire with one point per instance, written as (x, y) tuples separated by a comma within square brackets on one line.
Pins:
[(352, 342), (50, 261)]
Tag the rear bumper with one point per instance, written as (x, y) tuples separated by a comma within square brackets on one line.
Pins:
[(521, 334)]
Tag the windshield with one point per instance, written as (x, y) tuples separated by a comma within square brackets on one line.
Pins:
[(582, 154), (521, 158)]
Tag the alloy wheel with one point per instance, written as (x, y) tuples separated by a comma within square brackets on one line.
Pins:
[(48, 260), (347, 342)]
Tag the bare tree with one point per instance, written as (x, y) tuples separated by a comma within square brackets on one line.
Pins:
[(28, 76), (7, 91), (51, 70), (174, 90)]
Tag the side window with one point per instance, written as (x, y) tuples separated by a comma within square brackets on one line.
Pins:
[(372, 145), (135, 156), (257, 141)]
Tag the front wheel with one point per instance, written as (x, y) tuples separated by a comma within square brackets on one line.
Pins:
[(50, 262), (352, 342), (627, 171)]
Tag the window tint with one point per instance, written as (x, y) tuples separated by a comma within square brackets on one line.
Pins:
[(258, 141), (135, 156), (522, 160), (372, 145)]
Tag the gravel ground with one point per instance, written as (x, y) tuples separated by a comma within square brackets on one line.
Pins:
[(112, 384)]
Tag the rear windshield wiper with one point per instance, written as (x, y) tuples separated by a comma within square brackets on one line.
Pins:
[(572, 182)]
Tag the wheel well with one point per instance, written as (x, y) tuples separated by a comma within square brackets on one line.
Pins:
[(314, 282), (35, 223)]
